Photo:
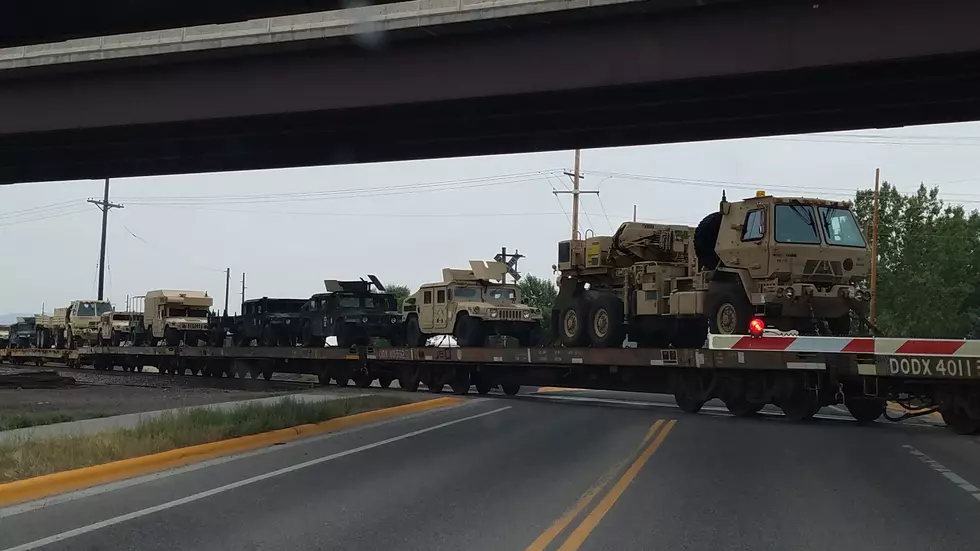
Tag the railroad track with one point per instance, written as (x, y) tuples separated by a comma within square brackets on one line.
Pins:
[(161, 380)]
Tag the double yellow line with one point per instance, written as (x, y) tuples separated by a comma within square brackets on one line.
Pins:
[(658, 433)]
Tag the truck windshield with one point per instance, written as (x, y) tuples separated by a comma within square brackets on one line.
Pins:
[(501, 293), (467, 293), (349, 302), (795, 224), (840, 228), (188, 313), (380, 302), (92, 308), (121, 317), (285, 306)]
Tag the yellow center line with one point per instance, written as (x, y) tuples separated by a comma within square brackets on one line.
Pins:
[(579, 535), (548, 535)]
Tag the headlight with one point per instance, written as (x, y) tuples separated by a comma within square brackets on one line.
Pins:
[(394, 319), (476, 309), (527, 314), (493, 313), (364, 319), (287, 322), (789, 292)]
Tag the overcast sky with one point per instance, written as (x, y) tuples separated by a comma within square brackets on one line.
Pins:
[(290, 229)]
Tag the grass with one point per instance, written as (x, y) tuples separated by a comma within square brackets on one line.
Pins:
[(11, 421), (34, 457)]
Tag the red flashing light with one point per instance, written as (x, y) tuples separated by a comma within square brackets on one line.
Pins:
[(756, 326)]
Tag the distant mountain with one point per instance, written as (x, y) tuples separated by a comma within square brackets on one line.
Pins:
[(7, 319)]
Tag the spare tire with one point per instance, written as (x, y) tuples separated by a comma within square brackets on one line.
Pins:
[(705, 238)]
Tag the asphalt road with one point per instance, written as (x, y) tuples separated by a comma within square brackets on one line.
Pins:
[(552, 471)]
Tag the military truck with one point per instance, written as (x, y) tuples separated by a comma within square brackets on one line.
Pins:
[(795, 263), (176, 317), (4, 336), (73, 326), (470, 305), (116, 328), (270, 321), (22, 333), (352, 312)]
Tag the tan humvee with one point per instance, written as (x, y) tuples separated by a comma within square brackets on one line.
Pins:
[(469, 305), (176, 316)]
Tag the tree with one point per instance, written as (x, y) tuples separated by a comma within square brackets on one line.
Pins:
[(539, 293), (928, 253), (401, 292)]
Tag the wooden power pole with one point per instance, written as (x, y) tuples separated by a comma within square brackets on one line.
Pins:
[(104, 205), (874, 253), (576, 191)]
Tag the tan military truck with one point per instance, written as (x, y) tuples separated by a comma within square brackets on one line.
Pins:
[(797, 263), (176, 317), (117, 328), (469, 305), (4, 336), (73, 326)]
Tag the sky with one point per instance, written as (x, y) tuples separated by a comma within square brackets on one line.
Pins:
[(288, 230)]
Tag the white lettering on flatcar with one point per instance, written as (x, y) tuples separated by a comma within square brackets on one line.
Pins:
[(930, 367)]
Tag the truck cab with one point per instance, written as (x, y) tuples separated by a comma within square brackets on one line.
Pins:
[(82, 322), (116, 328), (352, 312)]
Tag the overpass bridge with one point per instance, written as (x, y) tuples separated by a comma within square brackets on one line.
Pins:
[(479, 78)]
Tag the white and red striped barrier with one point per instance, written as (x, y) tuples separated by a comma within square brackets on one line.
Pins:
[(849, 345)]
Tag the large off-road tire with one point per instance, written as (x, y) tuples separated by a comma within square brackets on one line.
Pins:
[(414, 337), (605, 327), (172, 336), (573, 323), (269, 336), (705, 238), (469, 331), (728, 309)]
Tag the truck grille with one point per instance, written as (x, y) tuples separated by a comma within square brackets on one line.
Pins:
[(510, 315), (822, 271)]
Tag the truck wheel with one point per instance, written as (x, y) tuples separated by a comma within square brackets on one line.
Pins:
[(605, 327), (116, 339), (705, 238), (572, 323), (730, 311), (840, 327), (865, 410), (469, 331), (172, 336)]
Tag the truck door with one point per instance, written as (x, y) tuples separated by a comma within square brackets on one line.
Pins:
[(440, 312), (755, 258), (425, 310)]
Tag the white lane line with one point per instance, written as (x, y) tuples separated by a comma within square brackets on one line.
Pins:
[(221, 489), (941, 469), (113, 486)]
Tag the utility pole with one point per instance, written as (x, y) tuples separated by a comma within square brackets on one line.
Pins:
[(227, 286), (243, 293), (874, 253), (634, 213), (104, 205), (576, 191)]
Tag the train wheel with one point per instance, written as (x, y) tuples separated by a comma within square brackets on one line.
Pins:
[(461, 382), (959, 422), (741, 407), (408, 378), (267, 374), (802, 408), (511, 389), (362, 378), (865, 410), (385, 380)]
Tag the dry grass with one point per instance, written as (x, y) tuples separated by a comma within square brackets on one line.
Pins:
[(28, 458), (20, 420)]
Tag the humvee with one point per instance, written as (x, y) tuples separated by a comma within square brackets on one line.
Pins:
[(271, 321), (796, 263), (176, 316), (470, 305), (22, 333), (116, 328), (351, 312)]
